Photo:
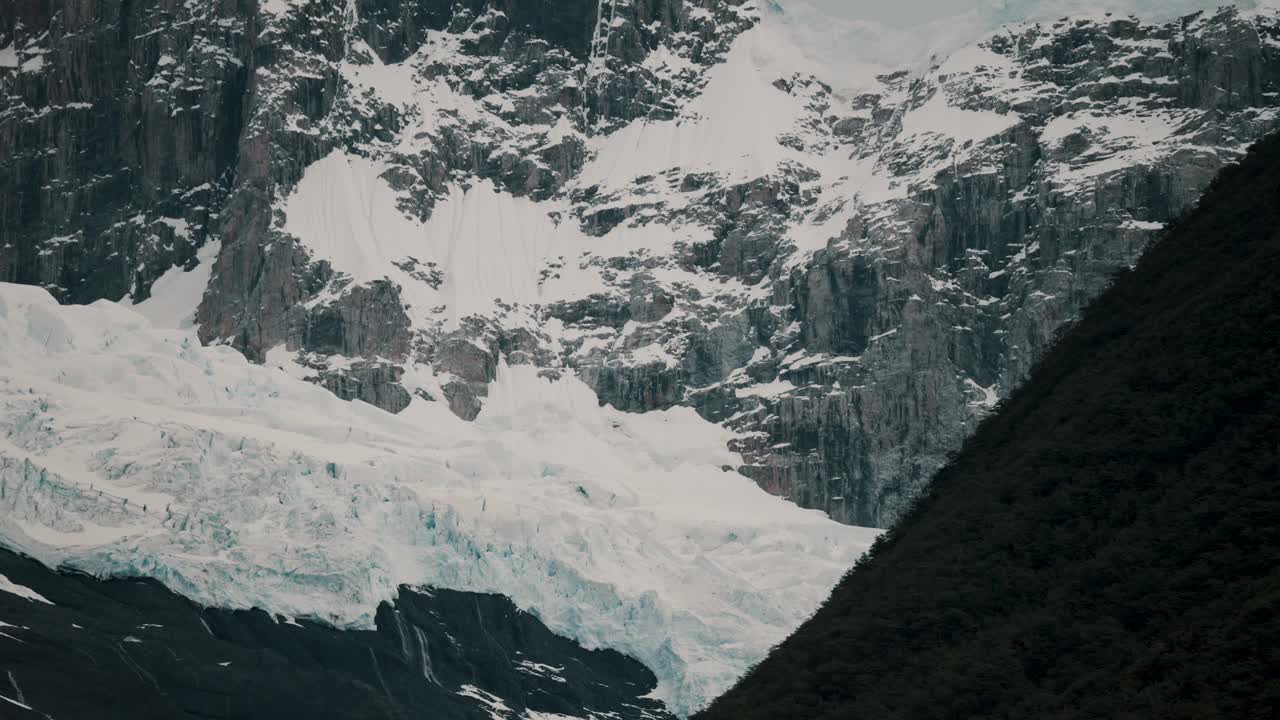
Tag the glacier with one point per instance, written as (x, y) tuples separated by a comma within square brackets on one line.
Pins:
[(130, 449)]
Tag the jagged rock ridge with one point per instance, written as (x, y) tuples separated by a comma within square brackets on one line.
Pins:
[(1105, 545)]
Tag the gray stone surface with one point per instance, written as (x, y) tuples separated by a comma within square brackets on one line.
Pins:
[(136, 132)]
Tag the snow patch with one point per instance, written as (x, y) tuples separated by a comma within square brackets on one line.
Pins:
[(345, 213), (494, 705), (11, 701), (731, 128), (176, 295), (489, 245), (8, 586), (938, 117)]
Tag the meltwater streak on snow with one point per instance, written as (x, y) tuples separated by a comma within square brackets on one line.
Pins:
[(493, 246), (134, 450)]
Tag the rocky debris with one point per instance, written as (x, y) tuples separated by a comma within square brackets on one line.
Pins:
[(375, 383)]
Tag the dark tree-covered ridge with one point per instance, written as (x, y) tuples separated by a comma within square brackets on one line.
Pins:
[(1107, 544)]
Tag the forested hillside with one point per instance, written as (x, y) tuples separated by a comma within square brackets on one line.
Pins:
[(1107, 545)]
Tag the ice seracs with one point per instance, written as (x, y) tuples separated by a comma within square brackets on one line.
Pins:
[(132, 449), (839, 276)]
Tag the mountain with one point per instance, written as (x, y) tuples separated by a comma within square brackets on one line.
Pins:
[(572, 302), (392, 198), (87, 648), (1106, 544)]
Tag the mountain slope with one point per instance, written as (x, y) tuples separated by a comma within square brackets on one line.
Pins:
[(1108, 544), (488, 218), (666, 198), (78, 647)]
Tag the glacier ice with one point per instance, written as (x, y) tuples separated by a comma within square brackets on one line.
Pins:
[(129, 449)]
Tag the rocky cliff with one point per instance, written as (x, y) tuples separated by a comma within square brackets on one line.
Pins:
[(1105, 544), (393, 199)]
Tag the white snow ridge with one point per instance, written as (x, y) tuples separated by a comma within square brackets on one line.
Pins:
[(133, 449)]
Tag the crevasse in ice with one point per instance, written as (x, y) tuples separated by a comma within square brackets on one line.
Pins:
[(133, 450)]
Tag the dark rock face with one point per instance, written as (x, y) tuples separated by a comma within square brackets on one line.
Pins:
[(121, 124), (374, 383), (538, 57), (132, 649)]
